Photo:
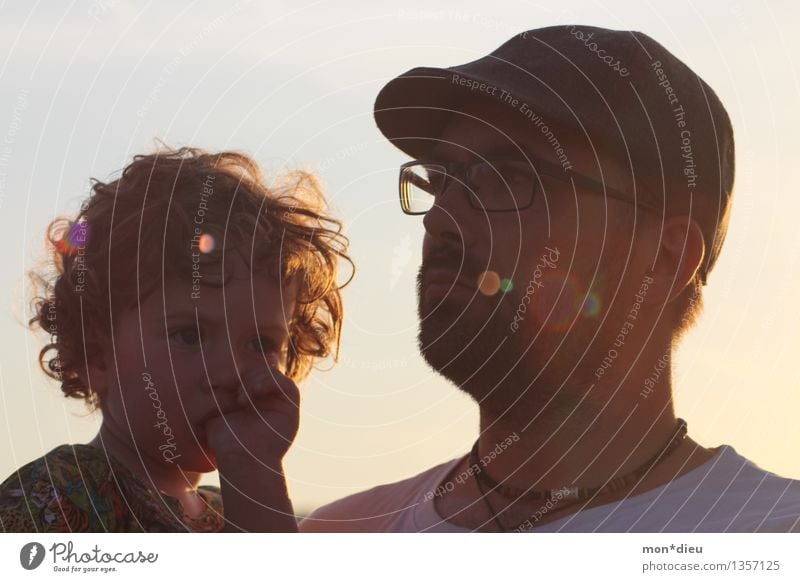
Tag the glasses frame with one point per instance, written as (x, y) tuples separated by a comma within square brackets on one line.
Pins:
[(539, 166)]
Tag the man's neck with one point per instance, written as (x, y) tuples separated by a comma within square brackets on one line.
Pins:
[(580, 434), (581, 449), (532, 462), (581, 430)]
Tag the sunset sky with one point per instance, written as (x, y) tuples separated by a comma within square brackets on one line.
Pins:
[(86, 85)]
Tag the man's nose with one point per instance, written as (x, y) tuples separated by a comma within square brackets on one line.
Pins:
[(451, 214)]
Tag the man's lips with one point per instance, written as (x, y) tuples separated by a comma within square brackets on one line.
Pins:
[(445, 281)]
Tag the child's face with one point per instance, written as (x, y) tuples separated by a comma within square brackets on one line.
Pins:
[(164, 386)]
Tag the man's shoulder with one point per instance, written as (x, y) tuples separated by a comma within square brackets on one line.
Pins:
[(377, 508), (770, 502), (729, 493)]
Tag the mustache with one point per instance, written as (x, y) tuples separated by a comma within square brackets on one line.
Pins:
[(451, 259)]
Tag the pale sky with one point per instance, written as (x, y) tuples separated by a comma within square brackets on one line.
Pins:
[(85, 85)]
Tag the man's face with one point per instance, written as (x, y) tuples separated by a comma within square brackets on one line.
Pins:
[(560, 263)]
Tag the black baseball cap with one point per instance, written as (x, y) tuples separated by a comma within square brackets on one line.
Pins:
[(631, 97)]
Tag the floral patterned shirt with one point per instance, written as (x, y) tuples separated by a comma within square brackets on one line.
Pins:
[(80, 488)]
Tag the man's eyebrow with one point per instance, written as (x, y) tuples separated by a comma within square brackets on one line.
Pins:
[(510, 150), (433, 153), (495, 152)]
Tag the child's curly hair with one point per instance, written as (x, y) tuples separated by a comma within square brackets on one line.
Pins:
[(145, 225)]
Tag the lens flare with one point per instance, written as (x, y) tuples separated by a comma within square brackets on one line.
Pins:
[(558, 300), (206, 243), (591, 307), (489, 283), (75, 238)]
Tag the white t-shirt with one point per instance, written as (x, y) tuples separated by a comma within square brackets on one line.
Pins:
[(727, 493)]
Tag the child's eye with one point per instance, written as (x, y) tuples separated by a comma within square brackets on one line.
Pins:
[(262, 344), (187, 336)]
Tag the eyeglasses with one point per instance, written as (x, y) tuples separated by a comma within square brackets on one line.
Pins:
[(491, 185)]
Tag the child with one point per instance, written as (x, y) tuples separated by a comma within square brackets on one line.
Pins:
[(188, 298)]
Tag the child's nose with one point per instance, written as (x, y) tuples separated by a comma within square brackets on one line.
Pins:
[(224, 373), (230, 382), (226, 370)]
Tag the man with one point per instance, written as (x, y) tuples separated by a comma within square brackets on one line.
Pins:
[(576, 187)]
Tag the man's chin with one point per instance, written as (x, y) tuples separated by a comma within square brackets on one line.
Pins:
[(477, 355), (458, 347), (471, 372)]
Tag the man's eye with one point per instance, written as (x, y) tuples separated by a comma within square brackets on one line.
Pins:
[(188, 336), (514, 173), (436, 179)]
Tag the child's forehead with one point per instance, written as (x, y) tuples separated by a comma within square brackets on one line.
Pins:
[(207, 285)]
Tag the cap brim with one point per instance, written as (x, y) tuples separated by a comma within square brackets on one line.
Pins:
[(411, 110)]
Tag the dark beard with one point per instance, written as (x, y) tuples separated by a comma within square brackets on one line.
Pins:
[(471, 345)]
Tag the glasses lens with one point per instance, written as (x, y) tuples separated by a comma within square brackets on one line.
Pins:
[(419, 186), (502, 185)]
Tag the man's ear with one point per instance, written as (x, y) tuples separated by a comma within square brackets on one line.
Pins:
[(680, 255)]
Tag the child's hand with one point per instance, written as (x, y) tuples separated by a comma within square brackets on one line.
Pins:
[(249, 444), (264, 425)]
